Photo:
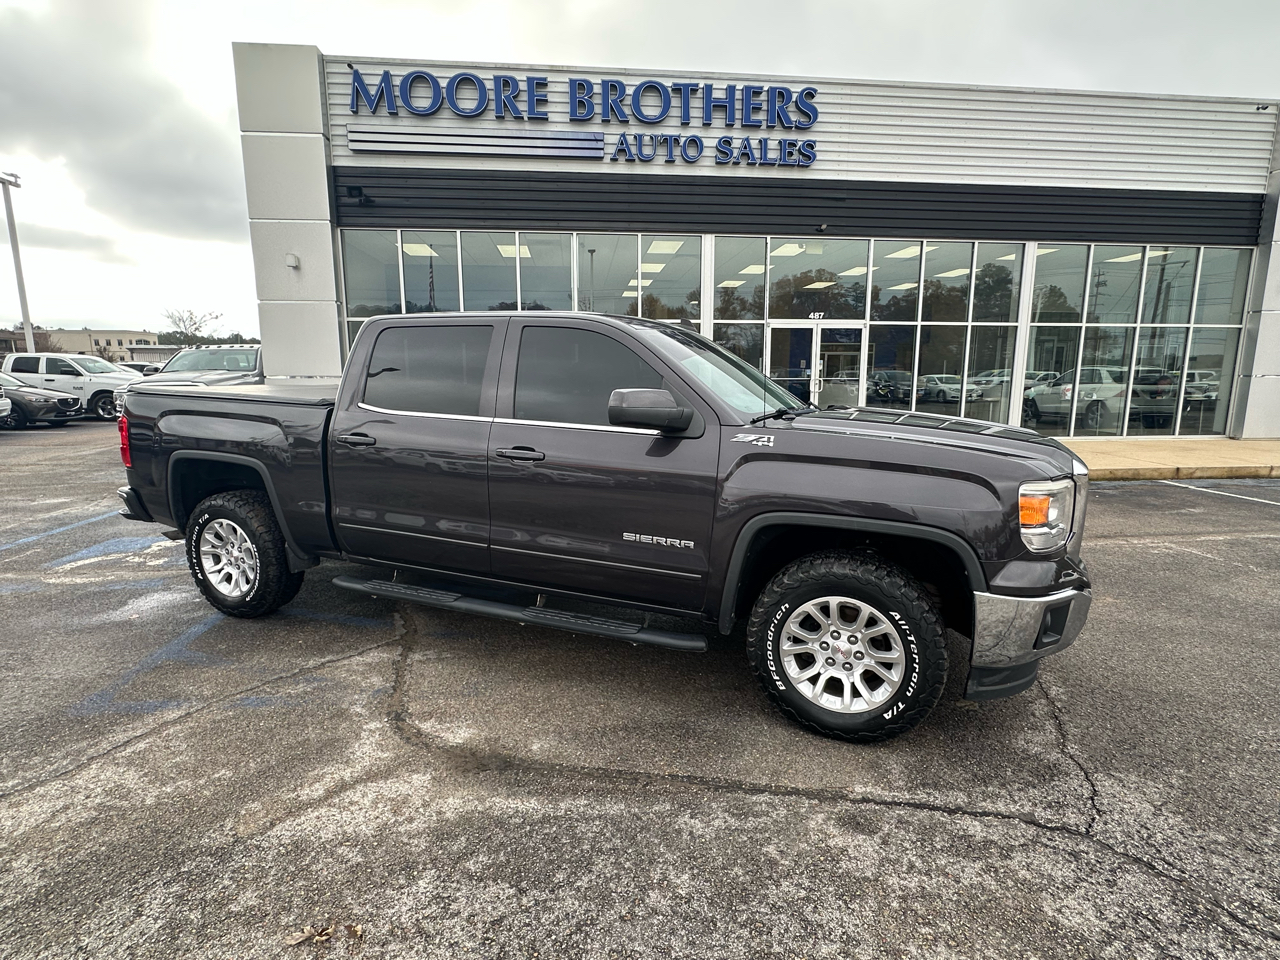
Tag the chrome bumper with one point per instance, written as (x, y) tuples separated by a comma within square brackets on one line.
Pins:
[(1013, 630)]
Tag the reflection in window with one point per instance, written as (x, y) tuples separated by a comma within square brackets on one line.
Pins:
[(990, 378), (1171, 273), (566, 375), (947, 269), (430, 271), (546, 271), (1210, 373), (353, 327), (1058, 296), (1224, 279), (997, 282), (790, 356), (430, 369), (827, 277), (895, 280), (371, 272), (1104, 377), (1049, 382), (671, 277), (489, 270), (939, 384), (891, 352), (1153, 404), (607, 273), (839, 355), (739, 278), (1113, 285), (743, 340)]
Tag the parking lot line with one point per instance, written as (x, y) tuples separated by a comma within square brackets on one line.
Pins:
[(1221, 493), (49, 533)]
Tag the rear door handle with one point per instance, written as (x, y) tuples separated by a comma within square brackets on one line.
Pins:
[(526, 454), (356, 440)]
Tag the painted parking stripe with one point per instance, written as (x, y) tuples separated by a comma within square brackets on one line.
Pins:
[(1221, 493), (49, 533)]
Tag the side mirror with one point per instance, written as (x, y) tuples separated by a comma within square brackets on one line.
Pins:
[(656, 409), (150, 371)]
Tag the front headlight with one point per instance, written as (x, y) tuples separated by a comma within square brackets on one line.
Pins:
[(1044, 509)]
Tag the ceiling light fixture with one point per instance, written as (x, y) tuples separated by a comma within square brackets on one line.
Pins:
[(753, 268), (665, 246), (957, 272), (731, 283), (819, 285), (419, 250), (854, 272), (509, 250), (1041, 251), (1127, 258), (651, 267), (905, 286), (788, 250)]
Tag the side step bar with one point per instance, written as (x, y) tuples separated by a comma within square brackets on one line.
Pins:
[(539, 616)]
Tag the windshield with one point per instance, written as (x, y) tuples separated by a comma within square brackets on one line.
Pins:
[(95, 365), (948, 378), (8, 381), (212, 360), (734, 382)]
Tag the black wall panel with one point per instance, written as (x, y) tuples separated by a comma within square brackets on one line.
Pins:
[(486, 199)]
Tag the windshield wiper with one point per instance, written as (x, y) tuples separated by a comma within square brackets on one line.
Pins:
[(784, 413)]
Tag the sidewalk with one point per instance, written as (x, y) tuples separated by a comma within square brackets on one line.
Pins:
[(1182, 459)]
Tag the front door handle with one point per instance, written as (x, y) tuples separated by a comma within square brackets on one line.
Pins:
[(524, 454), (356, 440), (48, 380)]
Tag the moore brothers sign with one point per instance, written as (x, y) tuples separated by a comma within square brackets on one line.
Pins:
[(757, 125)]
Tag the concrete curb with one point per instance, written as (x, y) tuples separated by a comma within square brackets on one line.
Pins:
[(1241, 472)]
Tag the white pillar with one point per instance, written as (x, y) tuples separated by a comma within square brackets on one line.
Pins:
[(280, 91)]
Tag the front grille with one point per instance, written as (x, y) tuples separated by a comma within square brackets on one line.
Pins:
[(68, 403)]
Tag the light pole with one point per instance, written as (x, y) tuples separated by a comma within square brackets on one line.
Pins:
[(8, 180)]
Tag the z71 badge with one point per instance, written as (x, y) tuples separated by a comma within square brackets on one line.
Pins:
[(759, 439)]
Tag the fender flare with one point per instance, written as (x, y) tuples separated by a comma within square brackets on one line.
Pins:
[(298, 558), (977, 580)]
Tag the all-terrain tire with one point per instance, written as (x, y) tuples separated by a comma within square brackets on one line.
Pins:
[(900, 600), (273, 584)]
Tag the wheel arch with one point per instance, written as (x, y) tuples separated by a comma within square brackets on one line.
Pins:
[(95, 396), (191, 480), (941, 560)]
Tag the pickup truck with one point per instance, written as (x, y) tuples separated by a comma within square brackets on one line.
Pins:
[(539, 467)]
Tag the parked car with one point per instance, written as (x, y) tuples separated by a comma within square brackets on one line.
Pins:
[(1154, 400), (888, 386), (215, 364), (945, 388), (91, 379), (1202, 384), (679, 480), (36, 405), (137, 366), (1033, 377), (1100, 403), (6, 404)]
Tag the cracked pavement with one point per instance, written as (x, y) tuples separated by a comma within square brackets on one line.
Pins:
[(177, 783)]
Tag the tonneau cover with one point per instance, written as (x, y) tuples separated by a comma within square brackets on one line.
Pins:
[(308, 391)]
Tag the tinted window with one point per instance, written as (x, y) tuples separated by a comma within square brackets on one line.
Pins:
[(429, 369), (60, 367), (566, 375), (26, 365)]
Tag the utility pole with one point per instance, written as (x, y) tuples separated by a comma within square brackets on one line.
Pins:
[(8, 180)]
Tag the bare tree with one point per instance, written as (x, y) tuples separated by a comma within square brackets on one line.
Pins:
[(46, 342), (104, 352), (187, 324)]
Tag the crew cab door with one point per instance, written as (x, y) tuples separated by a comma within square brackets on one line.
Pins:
[(62, 375), (409, 441), (581, 505)]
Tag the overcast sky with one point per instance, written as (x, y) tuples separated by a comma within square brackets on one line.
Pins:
[(120, 114)]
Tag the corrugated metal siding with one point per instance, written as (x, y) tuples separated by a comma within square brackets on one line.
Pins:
[(482, 199), (893, 132)]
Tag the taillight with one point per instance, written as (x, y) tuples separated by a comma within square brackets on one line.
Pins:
[(123, 424)]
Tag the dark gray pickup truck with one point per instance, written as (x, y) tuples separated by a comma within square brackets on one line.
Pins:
[(539, 467)]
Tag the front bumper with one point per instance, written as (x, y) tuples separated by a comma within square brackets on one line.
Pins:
[(1011, 634)]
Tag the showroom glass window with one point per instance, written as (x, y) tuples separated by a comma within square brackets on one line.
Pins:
[(430, 271), (371, 269), (670, 277), (608, 269)]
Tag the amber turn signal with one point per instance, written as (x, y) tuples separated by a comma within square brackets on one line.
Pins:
[(1033, 509)]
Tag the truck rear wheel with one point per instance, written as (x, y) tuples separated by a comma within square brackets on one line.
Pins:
[(237, 554), (848, 646)]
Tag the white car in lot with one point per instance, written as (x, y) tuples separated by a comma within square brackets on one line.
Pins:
[(1100, 403), (6, 405), (90, 378), (945, 388)]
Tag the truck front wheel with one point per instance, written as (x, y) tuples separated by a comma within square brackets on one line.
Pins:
[(848, 646), (237, 554)]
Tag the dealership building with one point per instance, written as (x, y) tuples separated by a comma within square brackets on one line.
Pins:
[(1090, 264)]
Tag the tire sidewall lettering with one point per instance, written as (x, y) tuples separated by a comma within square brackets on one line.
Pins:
[(772, 641)]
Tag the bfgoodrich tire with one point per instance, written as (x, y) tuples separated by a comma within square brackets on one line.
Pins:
[(237, 554), (848, 646)]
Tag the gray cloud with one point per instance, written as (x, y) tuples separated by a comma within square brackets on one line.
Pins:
[(56, 238), (78, 86)]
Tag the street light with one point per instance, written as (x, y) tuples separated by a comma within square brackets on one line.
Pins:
[(8, 180)]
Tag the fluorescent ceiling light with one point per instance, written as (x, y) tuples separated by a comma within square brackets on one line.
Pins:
[(753, 268), (509, 250), (907, 252), (854, 272), (1041, 251), (904, 286), (628, 293), (1158, 253), (731, 283), (1014, 256), (819, 285), (665, 246), (1127, 258), (643, 283), (651, 267), (957, 272), (813, 247), (419, 250), (788, 250)]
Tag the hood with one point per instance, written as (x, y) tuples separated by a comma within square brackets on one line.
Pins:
[(39, 393), (1041, 454)]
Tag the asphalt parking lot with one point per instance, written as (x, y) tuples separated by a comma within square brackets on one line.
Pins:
[(177, 783)]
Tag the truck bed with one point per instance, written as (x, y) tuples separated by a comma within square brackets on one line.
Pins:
[(309, 391)]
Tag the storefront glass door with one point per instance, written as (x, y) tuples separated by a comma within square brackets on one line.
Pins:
[(819, 364)]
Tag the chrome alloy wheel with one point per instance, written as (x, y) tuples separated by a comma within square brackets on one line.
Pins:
[(843, 654), (228, 559)]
